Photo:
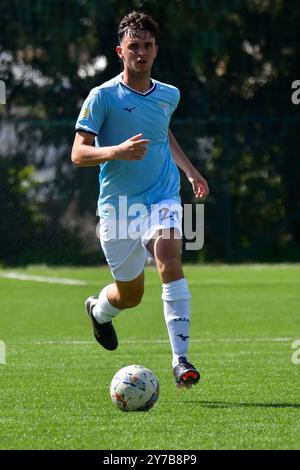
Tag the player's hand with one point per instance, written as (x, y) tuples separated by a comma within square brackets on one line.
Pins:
[(134, 148), (200, 186)]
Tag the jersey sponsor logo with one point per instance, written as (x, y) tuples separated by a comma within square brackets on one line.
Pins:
[(129, 109)]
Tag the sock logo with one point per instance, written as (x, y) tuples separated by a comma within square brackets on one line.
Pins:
[(183, 337), (181, 319)]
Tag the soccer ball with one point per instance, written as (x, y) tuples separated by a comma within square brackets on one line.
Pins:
[(134, 388)]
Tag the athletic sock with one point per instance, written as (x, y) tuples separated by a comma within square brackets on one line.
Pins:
[(176, 298), (103, 311)]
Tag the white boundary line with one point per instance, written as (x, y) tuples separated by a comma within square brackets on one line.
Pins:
[(2, 352), (51, 280), (79, 282)]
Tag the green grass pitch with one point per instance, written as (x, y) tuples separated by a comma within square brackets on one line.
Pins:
[(55, 384)]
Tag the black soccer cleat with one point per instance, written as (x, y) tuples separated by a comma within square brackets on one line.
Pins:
[(185, 373), (104, 332)]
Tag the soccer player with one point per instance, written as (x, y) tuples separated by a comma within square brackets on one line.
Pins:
[(127, 118)]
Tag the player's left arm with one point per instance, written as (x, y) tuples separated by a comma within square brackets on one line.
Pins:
[(199, 184)]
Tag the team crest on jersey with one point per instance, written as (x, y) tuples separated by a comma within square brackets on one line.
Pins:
[(165, 108), (85, 113)]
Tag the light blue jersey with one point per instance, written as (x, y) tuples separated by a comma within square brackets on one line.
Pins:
[(114, 113)]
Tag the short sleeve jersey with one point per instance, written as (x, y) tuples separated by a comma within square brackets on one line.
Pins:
[(114, 112)]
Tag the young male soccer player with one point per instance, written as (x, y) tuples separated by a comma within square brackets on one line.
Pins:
[(128, 120)]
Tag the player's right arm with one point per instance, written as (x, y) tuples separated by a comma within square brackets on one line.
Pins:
[(85, 154)]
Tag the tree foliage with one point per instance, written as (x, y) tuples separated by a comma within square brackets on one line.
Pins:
[(234, 63)]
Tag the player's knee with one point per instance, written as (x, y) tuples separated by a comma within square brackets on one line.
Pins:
[(132, 299), (169, 265)]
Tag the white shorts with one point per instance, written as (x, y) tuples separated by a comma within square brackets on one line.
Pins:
[(124, 242)]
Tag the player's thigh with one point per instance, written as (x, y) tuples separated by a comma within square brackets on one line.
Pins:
[(162, 231), (125, 256), (126, 260), (164, 220), (166, 244), (126, 263)]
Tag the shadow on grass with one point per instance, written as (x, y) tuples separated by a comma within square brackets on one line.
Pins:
[(221, 404)]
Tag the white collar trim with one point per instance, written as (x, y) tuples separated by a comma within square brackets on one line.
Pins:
[(138, 92)]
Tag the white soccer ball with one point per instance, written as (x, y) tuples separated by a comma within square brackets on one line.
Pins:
[(134, 388)]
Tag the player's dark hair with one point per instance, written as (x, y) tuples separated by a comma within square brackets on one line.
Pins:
[(137, 21)]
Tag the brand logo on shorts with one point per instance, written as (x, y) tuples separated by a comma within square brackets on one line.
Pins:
[(166, 213)]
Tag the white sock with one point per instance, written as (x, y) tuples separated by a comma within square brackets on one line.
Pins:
[(103, 311), (176, 297)]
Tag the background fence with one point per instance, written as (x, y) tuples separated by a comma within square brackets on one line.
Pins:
[(234, 65)]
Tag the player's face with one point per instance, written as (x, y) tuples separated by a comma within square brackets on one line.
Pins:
[(138, 52)]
